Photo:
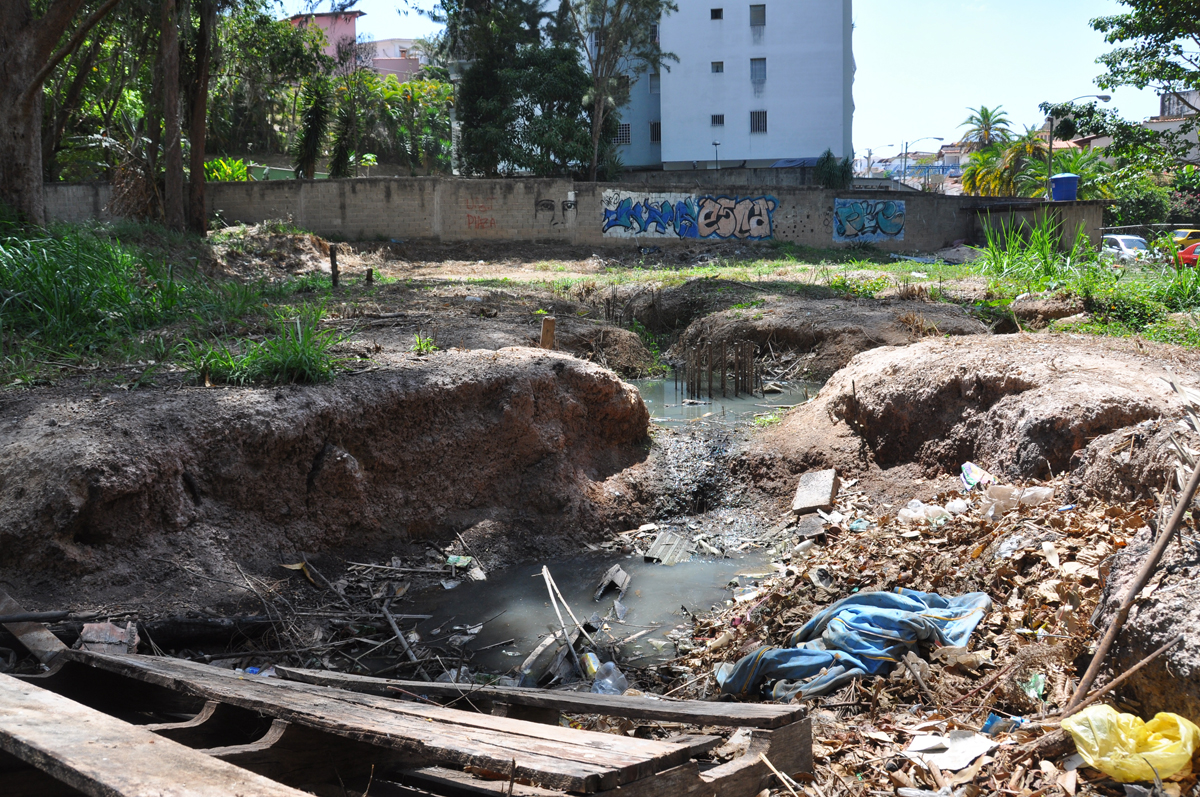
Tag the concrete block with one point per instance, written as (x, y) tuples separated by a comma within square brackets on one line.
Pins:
[(817, 490)]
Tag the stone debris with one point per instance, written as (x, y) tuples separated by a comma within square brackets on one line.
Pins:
[(817, 490)]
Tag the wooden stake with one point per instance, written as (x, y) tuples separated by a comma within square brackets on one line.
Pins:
[(333, 266), (722, 369), (370, 276), (710, 370), (548, 332)]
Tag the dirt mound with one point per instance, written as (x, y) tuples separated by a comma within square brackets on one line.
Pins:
[(1039, 309), (105, 487), (1018, 406), (1168, 605), (830, 331)]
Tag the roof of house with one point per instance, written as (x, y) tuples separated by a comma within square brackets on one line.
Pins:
[(294, 17)]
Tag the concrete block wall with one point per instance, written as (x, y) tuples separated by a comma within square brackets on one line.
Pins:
[(452, 209), (76, 202)]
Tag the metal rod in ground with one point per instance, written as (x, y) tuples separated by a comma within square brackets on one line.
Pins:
[(722, 369), (734, 353), (710, 370)]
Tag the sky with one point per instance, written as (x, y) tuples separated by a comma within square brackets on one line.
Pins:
[(923, 63)]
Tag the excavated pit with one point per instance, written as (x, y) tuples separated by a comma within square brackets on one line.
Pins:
[(101, 488)]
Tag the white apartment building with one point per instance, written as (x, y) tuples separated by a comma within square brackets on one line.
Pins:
[(770, 80)]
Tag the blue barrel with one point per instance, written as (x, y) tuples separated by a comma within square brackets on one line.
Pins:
[(1064, 187)]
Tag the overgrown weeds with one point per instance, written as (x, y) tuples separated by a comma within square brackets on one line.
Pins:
[(299, 352)]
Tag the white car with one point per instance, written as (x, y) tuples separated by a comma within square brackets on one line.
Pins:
[(1125, 248)]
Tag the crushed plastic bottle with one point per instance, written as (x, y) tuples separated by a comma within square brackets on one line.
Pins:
[(957, 506), (1032, 496), (609, 680), (934, 513), (914, 512)]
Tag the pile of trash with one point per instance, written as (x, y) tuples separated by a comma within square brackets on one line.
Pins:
[(939, 644)]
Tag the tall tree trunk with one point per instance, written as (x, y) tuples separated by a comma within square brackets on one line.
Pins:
[(198, 121), (29, 51), (21, 128), (53, 134), (173, 146), (597, 130)]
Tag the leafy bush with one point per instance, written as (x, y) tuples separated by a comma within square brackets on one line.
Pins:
[(832, 174), (851, 288), (1139, 203), (227, 170), (1184, 208)]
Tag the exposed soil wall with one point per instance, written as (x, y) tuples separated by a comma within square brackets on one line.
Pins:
[(1020, 408), (91, 487)]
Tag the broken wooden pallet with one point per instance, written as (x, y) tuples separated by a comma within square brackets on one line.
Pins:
[(76, 746), (618, 578), (669, 548), (691, 712), (302, 733)]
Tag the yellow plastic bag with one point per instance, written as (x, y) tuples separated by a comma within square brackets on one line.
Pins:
[(1125, 748)]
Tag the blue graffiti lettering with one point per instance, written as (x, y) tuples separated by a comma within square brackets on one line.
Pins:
[(868, 220)]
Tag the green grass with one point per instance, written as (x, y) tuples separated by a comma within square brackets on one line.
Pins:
[(298, 352), (76, 296)]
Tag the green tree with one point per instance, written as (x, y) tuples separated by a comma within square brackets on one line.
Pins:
[(551, 128), (985, 127), (418, 117), (619, 40), (1093, 171), (832, 174), (317, 109)]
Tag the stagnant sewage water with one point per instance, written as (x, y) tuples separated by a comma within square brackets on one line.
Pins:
[(669, 405), (513, 604), (517, 600)]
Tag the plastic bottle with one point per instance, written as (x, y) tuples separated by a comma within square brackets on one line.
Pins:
[(913, 513), (609, 680), (957, 506)]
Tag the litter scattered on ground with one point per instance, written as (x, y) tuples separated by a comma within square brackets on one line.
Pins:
[(817, 490), (1130, 750)]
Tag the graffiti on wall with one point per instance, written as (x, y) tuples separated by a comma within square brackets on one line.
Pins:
[(556, 214), (868, 220), (628, 215)]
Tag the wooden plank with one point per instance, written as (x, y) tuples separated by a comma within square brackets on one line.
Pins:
[(693, 712), (562, 758), (440, 780), (105, 757), (34, 636), (669, 548)]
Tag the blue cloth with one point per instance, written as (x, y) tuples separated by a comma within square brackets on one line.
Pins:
[(864, 634)]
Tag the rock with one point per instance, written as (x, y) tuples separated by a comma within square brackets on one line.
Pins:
[(817, 490)]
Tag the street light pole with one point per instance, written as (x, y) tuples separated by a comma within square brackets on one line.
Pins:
[(1050, 143), (870, 152), (717, 150)]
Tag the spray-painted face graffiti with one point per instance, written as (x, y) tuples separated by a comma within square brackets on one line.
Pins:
[(546, 212), (868, 220), (686, 216)]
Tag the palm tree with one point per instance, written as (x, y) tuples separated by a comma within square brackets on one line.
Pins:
[(979, 177), (985, 127), (1029, 146)]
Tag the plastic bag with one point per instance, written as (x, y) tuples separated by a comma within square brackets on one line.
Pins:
[(1125, 748)]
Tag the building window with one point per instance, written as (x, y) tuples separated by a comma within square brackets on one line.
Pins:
[(655, 83), (718, 120), (656, 132), (654, 32), (625, 134), (758, 70), (717, 13), (718, 67), (758, 16), (758, 121)]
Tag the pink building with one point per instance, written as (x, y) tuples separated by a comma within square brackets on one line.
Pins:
[(396, 57), (339, 29)]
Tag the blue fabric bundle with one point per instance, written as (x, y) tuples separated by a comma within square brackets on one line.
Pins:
[(864, 634)]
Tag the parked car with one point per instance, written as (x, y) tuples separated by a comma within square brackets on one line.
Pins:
[(1186, 237), (1125, 248), (1188, 256)]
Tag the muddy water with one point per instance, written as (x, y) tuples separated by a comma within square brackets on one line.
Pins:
[(517, 609), (669, 406)]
